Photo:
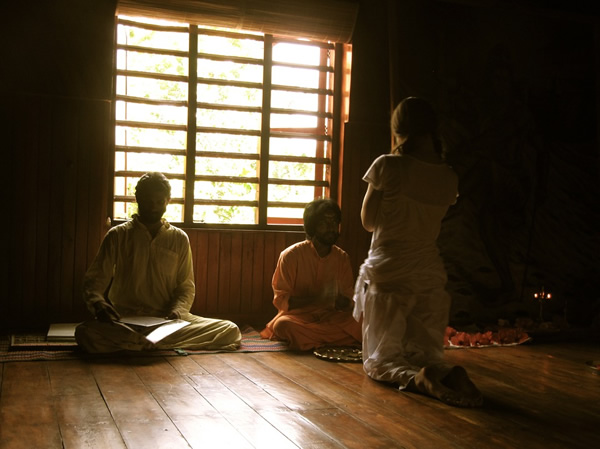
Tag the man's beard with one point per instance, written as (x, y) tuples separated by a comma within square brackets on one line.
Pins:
[(151, 216), (328, 238)]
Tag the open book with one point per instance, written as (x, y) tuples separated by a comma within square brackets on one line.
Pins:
[(153, 328)]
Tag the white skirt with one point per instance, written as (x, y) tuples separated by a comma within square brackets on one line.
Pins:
[(400, 292)]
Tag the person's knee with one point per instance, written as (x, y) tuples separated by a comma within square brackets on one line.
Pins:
[(86, 336), (232, 329), (82, 332), (284, 328), (227, 332)]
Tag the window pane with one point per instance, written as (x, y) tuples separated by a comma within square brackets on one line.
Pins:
[(229, 95), (174, 213), (124, 211), (293, 121), (306, 53), (230, 143), (138, 112), (154, 138), (225, 214), (294, 100), (217, 45), (151, 88), (147, 162), (295, 194), (291, 170), (125, 186), (177, 188), (286, 213), (148, 62), (226, 167), (131, 35), (229, 70), (228, 119), (210, 190), (288, 76), (293, 147)]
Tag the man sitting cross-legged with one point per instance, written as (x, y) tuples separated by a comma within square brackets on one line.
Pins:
[(149, 263), (313, 284)]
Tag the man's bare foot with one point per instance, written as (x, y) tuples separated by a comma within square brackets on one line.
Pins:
[(450, 385)]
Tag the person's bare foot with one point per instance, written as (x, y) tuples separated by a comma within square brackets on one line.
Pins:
[(450, 385)]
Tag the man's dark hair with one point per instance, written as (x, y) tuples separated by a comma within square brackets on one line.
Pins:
[(316, 210), (152, 182)]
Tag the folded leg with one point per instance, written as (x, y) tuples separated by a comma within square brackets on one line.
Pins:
[(203, 333)]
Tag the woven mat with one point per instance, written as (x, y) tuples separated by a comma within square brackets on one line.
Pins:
[(251, 342)]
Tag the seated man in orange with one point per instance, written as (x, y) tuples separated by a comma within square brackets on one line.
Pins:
[(313, 286)]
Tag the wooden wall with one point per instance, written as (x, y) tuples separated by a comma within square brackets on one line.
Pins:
[(55, 109), (56, 148), (233, 271), (516, 85)]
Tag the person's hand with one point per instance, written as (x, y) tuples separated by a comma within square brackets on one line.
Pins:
[(329, 295), (106, 313), (174, 315)]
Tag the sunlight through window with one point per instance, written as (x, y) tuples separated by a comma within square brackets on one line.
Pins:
[(241, 123)]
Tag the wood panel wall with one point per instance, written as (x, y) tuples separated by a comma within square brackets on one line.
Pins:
[(56, 147), (233, 272)]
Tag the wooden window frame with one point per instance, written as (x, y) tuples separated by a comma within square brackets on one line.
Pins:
[(330, 109)]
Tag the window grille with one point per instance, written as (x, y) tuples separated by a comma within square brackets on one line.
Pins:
[(245, 125)]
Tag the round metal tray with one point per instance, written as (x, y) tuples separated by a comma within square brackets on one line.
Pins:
[(345, 354)]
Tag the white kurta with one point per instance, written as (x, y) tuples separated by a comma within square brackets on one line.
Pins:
[(401, 285), (153, 277), (150, 276)]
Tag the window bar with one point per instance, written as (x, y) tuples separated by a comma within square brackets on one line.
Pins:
[(125, 131), (321, 128), (190, 160), (111, 186), (263, 167), (338, 76)]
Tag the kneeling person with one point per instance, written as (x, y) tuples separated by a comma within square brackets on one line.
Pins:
[(313, 286), (149, 262)]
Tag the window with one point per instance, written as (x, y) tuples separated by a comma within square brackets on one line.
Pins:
[(245, 125)]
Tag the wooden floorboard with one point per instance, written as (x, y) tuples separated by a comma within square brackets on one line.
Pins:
[(27, 409), (536, 396)]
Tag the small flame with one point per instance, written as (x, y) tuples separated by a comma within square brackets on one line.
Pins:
[(542, 295)]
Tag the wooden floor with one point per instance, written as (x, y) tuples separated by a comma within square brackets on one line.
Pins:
[(537, 396)]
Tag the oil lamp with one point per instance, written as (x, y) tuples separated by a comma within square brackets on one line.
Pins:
[(541, 297)]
